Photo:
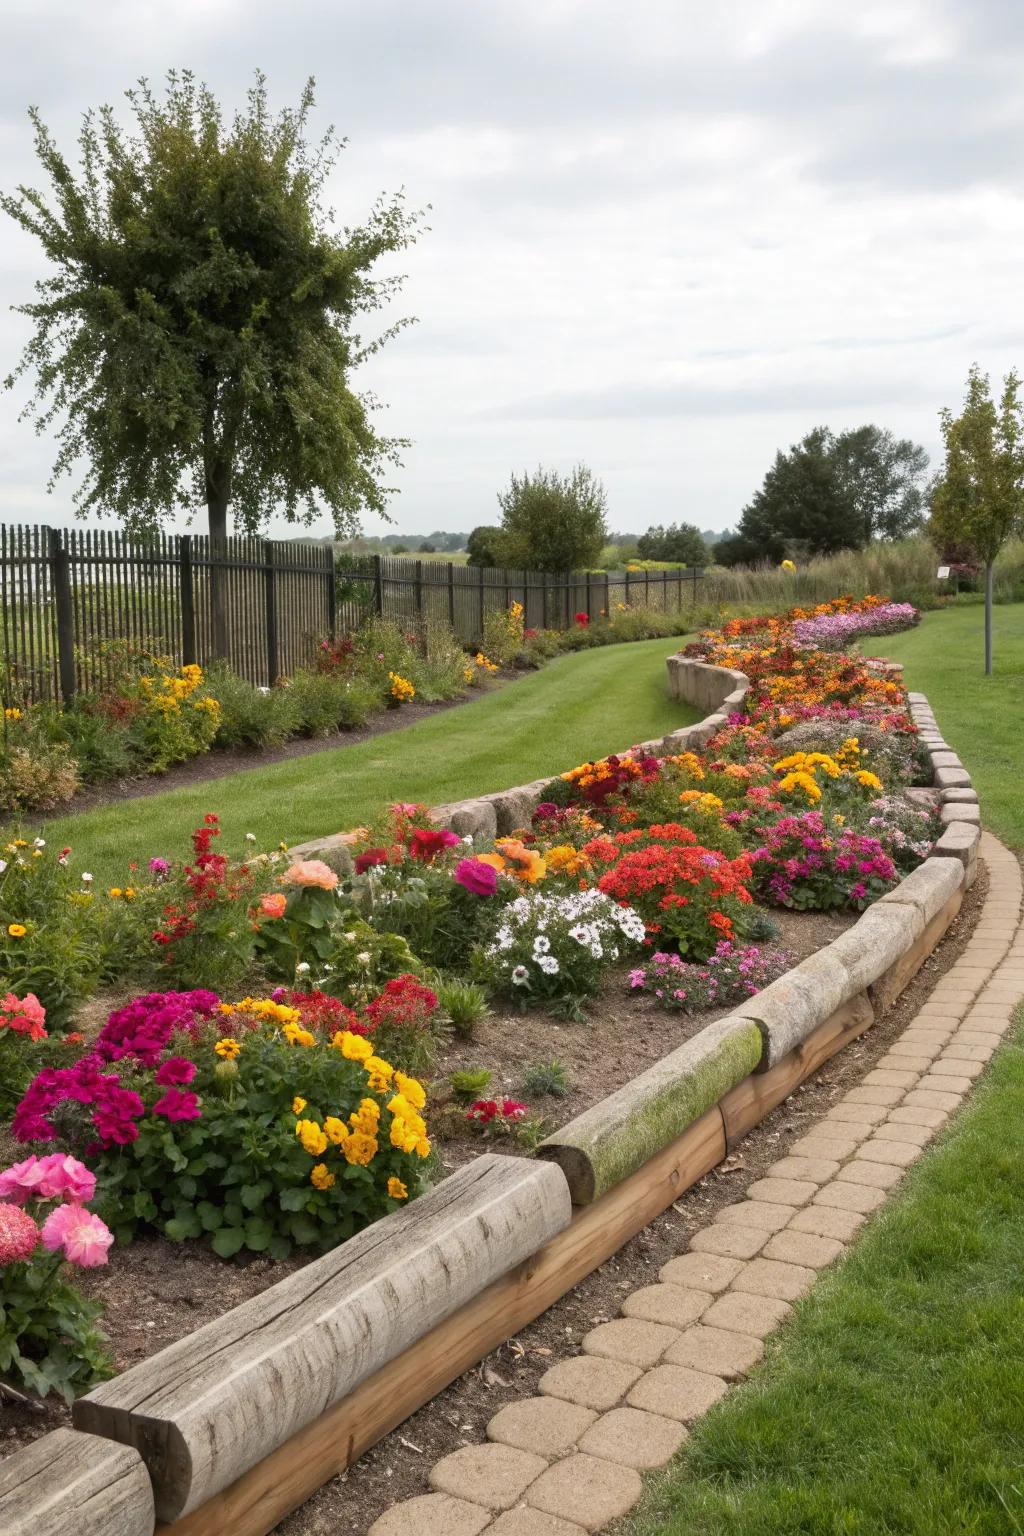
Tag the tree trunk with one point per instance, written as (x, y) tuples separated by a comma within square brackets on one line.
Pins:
[(988, 618), (218, 492)]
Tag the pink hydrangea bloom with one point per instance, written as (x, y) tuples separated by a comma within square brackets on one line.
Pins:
[(18, 1235)]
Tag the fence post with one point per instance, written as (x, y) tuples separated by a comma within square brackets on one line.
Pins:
[(695, 586), (451, 594), (378, 586), (647, 588), (589, 614), (627, 586), (332, 593), (60, 576), (419, 590), (543, 599), (481, 597), (187, 595), (270, 610), (607, 596)]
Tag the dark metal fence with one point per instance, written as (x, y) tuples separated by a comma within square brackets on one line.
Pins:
[(416, 591), (71, 599)]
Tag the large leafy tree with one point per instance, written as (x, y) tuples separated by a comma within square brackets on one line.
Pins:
[(195, 340), (680, 542), (553, 522), (832, 492), (979, 497)]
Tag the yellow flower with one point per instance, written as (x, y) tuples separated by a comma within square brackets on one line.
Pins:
[(17, 930), (320, 1177), (336, 1130), (298, 1105), (869, 780), (296, 1035), (411, 1090), (312, 1137), (114, 892), (787, 565), (361, 1149), (228, 1048), (129, 893), (12, 714), (397, 1190), (352, 1047)]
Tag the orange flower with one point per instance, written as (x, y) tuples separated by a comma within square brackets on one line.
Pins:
[(312, 872), (272, 904)]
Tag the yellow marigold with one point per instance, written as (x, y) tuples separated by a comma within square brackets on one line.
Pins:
[(17, 930), (397, 1190), (298, 1105), (228, 1048), (869, 780), (690, 763), (312, 1137), (296, 1035), (564, 859), (379, 1067), (352, 1047), (804, 781), (360, 1149), (321, 1177), (114, 892), (336, 1130), (411, 1090)]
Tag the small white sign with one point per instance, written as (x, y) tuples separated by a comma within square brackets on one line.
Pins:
[(943, 572)]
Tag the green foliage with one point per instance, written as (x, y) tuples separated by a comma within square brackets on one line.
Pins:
[(471, 1084), (464, 1004), (249, 716), (49, 1338), (979, 497), (830, 493), (543, 1078), (485, 546), (553, 522), (680, 543), (196, 337), (59, 955)]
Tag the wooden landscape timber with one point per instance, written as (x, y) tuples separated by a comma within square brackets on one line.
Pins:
[(240, 1423)]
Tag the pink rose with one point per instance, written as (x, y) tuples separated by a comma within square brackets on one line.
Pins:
[(312, 872)]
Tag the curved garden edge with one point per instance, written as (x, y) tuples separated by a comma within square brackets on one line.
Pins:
[(637, 1152)]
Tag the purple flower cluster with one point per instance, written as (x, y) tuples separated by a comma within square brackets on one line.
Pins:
[(116, 1110), (730, 975), (831, 631), (143, 1028), (802, 863)]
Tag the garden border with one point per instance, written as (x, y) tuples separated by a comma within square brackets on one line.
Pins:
[(236, 1470)]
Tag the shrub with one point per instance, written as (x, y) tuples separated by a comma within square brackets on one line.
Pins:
[(49, 1339), (503, 633), (265, 1137), (463, 1004), (249, 716), (542, 1078), (553, 949), (35, 774), (317, 701), (99, 741), (730, 975), (49, 938)]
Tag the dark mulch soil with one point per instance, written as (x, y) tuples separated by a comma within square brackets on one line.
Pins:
[(223, 761), (622, 1036), (156, 1293)]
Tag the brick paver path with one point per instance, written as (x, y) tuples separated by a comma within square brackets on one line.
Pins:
[(569, 1461)]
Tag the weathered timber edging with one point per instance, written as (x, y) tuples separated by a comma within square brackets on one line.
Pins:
[(243, 1421)]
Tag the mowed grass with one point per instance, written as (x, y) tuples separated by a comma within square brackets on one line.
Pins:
[(981, 717), (893, 1404), (579, 706)]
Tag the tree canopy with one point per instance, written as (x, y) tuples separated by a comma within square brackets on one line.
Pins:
[(484, 546), (553, 522), (682, 543), (831, 492), (195, 340), (978, 498)]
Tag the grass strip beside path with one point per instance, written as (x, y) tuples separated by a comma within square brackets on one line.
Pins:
[(981, 717), (578, 707), (893, 1405)]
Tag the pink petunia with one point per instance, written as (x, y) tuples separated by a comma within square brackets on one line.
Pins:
[(176, 1105), (176, 1071)]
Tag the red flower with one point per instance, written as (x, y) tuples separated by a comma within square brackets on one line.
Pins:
[(427, 842), (371, 857), (582, 619)]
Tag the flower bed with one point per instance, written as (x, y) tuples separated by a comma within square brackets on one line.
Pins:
[(286, 1108)]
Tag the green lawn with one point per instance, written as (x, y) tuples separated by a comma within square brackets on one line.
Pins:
[(579, 706), (893, 1405), (981, 717)]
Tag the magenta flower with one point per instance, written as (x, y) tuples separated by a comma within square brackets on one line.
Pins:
[(176, 1071), (82, 1235), (177, 1105), (475, 876)]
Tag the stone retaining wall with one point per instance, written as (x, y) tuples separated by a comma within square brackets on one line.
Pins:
[(175, 1432)]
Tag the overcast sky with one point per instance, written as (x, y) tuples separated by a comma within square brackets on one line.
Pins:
[(666, 238)]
